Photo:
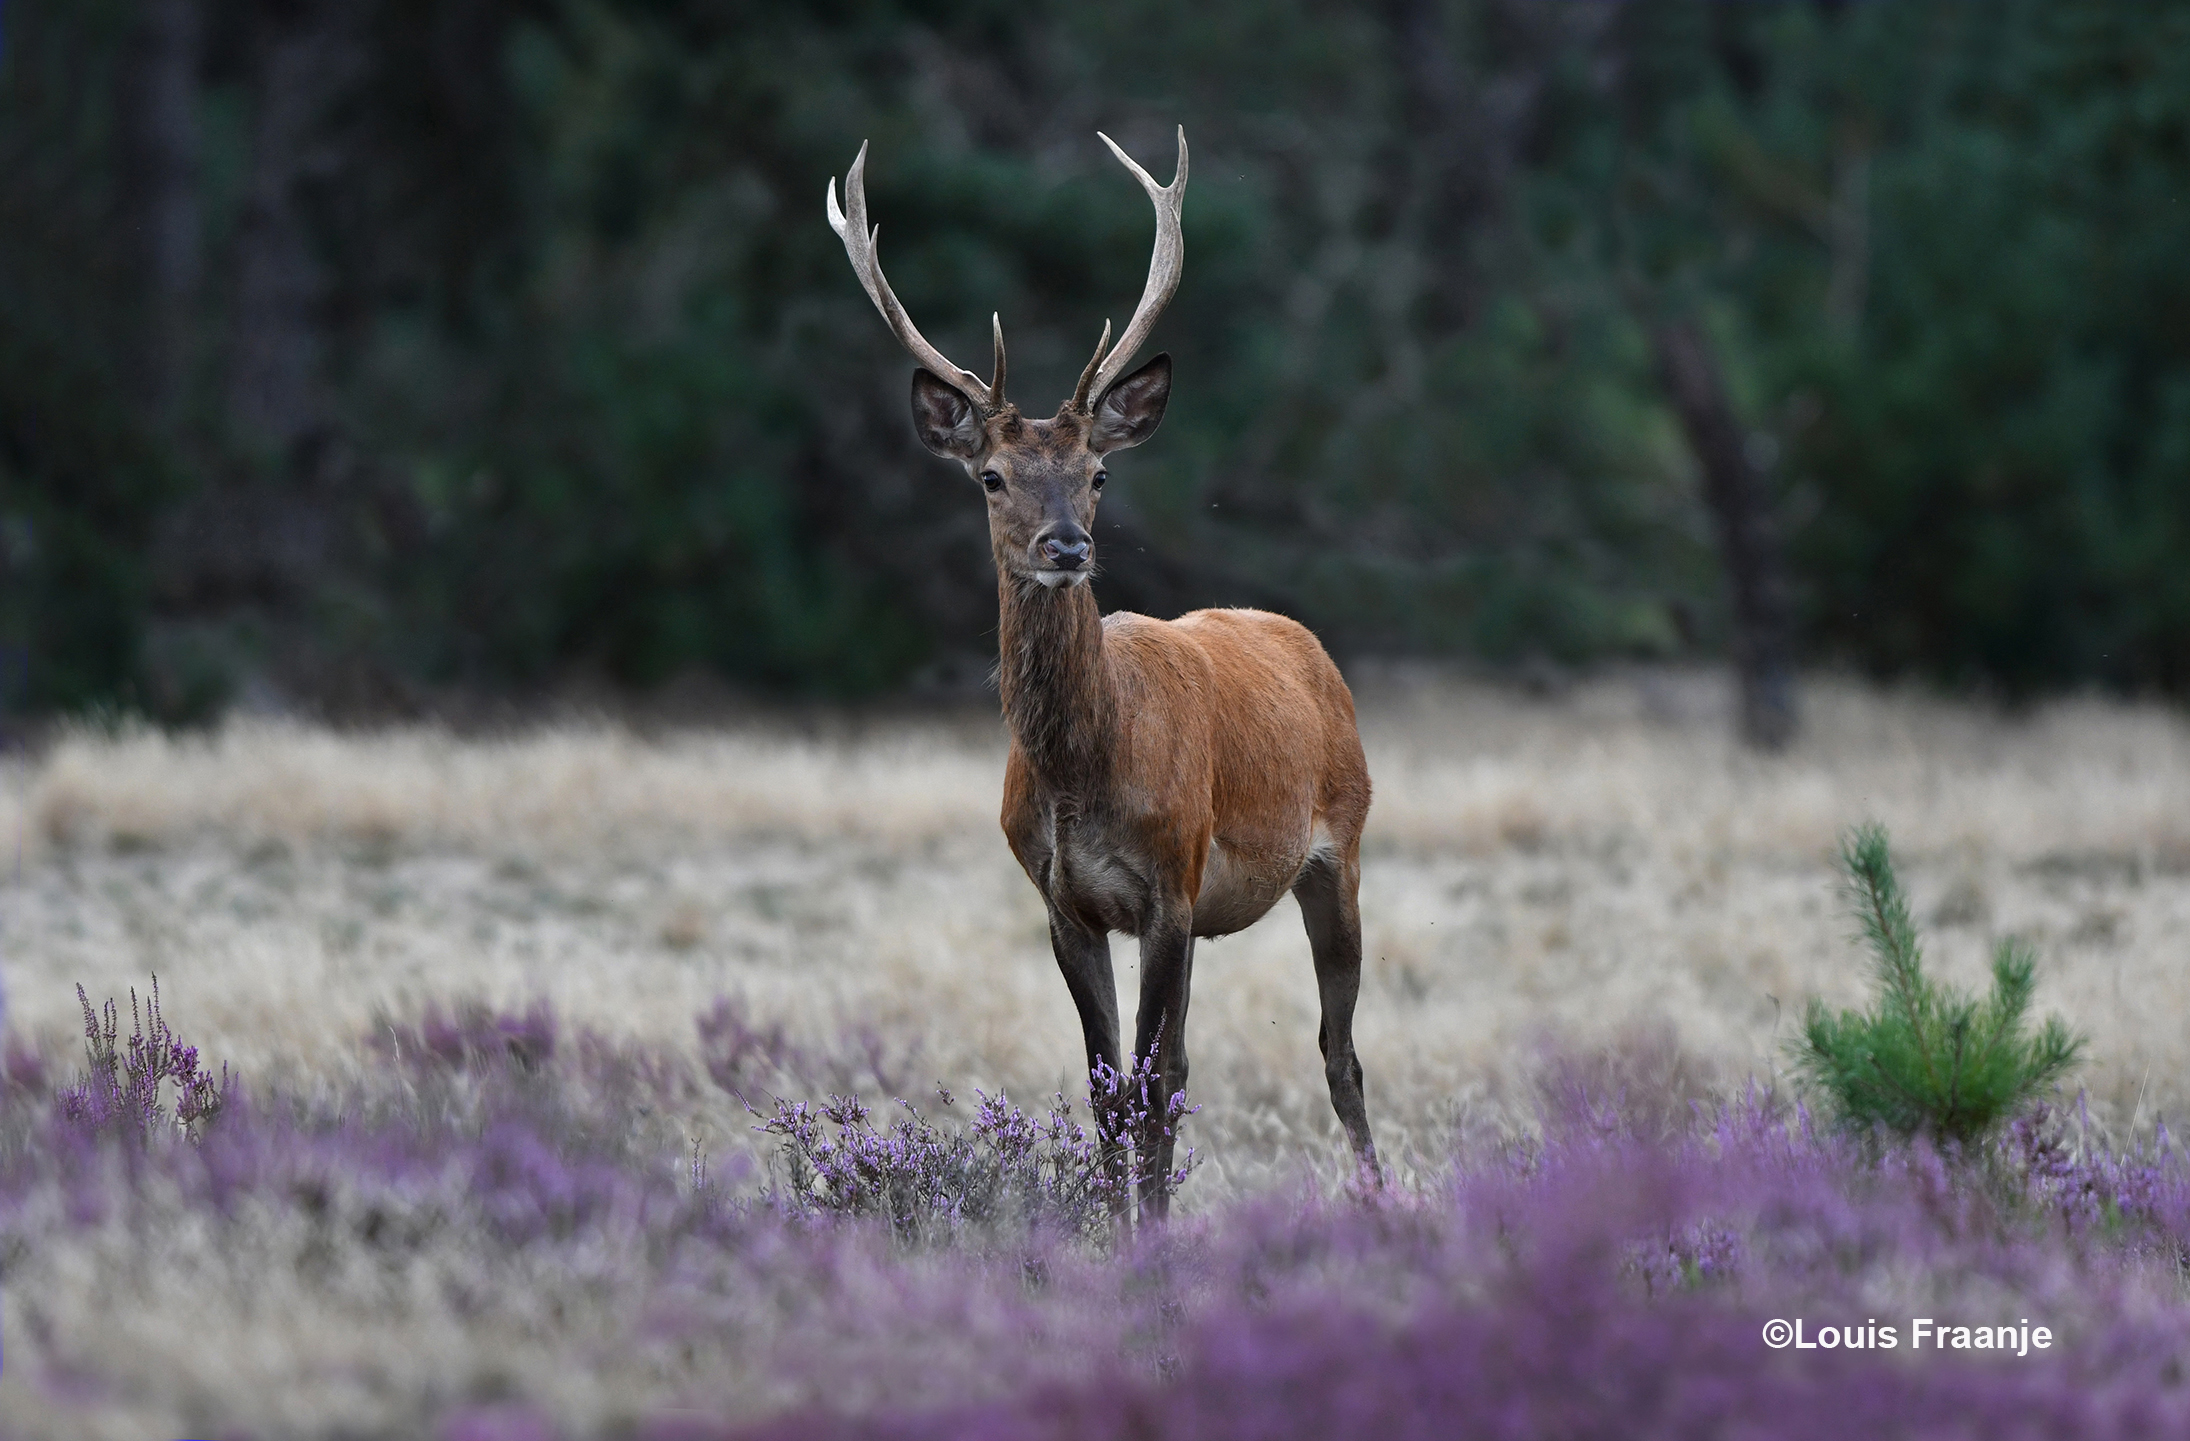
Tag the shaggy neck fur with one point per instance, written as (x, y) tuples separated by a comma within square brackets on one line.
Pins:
[(1056, 694)]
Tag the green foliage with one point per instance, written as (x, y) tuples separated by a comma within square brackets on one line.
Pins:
[(1926, 1060), (80, 484), (2001, 459), (81, 481), (601, 393)]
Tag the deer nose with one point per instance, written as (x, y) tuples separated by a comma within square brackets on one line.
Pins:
[(1067, 549)]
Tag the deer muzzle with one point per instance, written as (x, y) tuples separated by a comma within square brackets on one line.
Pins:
[(1062, 555)]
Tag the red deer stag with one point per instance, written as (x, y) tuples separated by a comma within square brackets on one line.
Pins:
[(1167, 779)]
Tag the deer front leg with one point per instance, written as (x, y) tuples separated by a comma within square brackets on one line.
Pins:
[(1167, 971), (1084, 958)]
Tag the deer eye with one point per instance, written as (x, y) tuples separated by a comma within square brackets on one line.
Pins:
[(991, 482), (1100, 477)]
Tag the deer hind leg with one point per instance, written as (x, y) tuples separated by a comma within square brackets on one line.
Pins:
[(1167, 972), (1329, 896)]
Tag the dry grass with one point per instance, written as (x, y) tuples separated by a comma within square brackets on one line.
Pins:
[(1568, 869), (1565, 872)]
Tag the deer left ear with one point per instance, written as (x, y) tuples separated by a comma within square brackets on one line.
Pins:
[(1130, 411)]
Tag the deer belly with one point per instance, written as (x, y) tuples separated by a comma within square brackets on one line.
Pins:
[(1238, 888)]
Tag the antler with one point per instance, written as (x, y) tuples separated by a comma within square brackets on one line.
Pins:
[(859, 244), (1164, 268)]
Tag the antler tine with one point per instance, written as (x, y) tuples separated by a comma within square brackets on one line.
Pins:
[(1164, 269), (859, 245), (1087, 376)]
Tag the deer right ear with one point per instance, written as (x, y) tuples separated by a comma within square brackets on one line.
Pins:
[(944, 420), (1130, 411)]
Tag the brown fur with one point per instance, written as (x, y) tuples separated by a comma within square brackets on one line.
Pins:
[(1167, 779), (1225, 733)]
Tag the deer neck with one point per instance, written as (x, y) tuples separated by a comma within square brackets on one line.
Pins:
[(1055, 684)]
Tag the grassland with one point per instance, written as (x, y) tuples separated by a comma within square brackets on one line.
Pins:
[(1567, 870), (1596, 873)]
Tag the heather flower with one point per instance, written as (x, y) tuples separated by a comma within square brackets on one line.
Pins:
[(472, 1036), (1051, 1172), (750, 1060), (955, 1271), (121, 1089)]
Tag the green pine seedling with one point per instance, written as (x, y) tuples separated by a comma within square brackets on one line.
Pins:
[(1927, 1060)]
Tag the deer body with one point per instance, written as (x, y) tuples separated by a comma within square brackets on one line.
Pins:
[(1159, 796), (1167, 779)]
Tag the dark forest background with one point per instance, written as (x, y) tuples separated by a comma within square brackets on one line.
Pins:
[(363, 351)]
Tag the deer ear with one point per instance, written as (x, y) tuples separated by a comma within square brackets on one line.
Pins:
[(944, 420), (1130, 411)]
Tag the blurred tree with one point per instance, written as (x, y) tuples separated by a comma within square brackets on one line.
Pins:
[(165, 176), (368, 344), (81, 478), (2000, 460), (1748, 535)]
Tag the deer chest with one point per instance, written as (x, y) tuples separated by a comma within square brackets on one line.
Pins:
[(1094, 879)]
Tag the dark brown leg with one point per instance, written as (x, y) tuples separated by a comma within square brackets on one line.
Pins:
[(1084, 957), (1329, 896), (1167, 971)]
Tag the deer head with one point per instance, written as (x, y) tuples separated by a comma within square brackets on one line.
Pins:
[(1042, 477)]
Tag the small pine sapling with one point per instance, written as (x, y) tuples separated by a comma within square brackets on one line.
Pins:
[(1927, 1060)]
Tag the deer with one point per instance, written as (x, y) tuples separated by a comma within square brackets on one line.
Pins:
[(1166, 779)]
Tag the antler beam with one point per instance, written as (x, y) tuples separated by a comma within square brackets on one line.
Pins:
[(1164, 269), (859, 244)]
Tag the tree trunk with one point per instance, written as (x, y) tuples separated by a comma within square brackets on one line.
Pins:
[(1756, 574), (277, 385), (168, 53)]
